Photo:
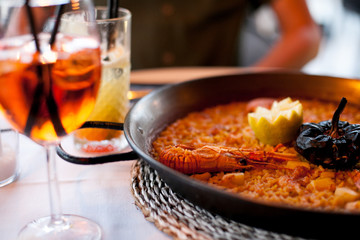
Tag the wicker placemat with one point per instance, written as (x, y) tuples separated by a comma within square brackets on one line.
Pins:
[(180, 218)]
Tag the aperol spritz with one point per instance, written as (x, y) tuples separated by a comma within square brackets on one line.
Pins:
[(49, 82), (64, 79)]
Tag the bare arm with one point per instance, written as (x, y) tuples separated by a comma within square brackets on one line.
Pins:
[(300, 36)]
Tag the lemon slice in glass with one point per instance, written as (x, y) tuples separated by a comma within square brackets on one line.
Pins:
[(278, 124)]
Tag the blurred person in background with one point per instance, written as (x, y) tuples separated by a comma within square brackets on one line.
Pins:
[(206, 32)]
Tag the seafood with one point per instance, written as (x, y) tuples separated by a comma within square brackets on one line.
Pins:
[(259, 102), (190, 160)]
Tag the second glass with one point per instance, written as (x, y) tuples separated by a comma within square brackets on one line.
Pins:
[(112, 101), (9, 165)]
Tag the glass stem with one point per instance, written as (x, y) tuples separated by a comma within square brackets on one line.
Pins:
[(54, 194)]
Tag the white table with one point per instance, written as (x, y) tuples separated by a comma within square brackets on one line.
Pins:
[(101, 193)]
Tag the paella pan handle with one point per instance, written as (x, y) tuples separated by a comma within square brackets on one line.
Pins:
[(126, 156)]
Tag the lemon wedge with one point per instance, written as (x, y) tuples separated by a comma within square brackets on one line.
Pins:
[(278, 124)]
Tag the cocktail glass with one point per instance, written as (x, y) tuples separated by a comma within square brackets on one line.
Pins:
[(49, 82)]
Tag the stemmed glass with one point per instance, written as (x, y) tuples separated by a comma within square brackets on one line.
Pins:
[(49, 81)]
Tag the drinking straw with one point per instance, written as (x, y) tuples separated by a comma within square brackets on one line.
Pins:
[(36, 103), (53, 109), (50, 102), (109, 8), (59, 11), (115, 9), (112, 8), (112, 12), (32, 25)]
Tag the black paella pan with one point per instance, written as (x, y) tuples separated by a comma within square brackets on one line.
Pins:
[(149, 116)]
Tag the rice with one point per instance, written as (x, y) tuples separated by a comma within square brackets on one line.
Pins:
[(310, 187)]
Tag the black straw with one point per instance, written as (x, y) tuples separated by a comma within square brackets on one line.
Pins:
[(32, 25), (50, 101), (112, 12), (112, 8), (115, 9), (59, 11), (36, 103), (109, 8)]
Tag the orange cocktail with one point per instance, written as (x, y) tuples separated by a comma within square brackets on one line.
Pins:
[(49, 95)]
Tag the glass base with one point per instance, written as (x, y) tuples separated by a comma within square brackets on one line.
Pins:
[(9, 180), (68, 227)]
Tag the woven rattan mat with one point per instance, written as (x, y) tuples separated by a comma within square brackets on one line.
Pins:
[(180, 218)]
